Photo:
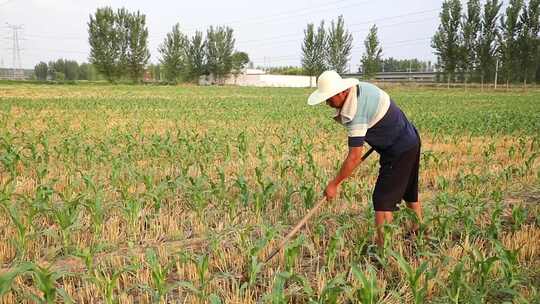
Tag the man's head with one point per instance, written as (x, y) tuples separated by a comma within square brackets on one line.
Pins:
[(338, 100), (332, 89)]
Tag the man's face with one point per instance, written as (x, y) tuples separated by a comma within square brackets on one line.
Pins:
[(337, 100)]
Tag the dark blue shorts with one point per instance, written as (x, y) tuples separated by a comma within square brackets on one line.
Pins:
[(398, 179)]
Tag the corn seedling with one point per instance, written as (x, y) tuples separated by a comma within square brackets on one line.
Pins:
[(519, 215), (160, 287), (107, 283), (414, 277), (368, 292), (44, 279), (481, 268), (332, 291), (291, 253)]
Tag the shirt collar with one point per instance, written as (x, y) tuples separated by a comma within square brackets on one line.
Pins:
[(348, 110)]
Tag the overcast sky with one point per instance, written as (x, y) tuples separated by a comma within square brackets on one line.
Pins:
[(271, 32)]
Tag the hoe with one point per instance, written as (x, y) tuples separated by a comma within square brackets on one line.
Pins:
[(302, 222)]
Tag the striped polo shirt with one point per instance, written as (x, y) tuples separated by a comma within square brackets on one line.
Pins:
[(370, 115)]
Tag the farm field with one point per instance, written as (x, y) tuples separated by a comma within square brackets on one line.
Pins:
[(153, 194)]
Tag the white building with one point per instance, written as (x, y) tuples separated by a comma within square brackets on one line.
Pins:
[(259, 78)]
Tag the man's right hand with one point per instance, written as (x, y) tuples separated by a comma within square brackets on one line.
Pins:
[(331, 191)]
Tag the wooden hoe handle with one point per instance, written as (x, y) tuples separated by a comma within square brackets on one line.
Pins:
[(304, 220)]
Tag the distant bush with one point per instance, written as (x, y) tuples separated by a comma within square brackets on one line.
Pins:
[(286, 70)]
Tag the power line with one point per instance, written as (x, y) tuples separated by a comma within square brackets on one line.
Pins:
[(350, 25), (356, 24), (362, 23), (281, 42), (275, 39), (307, 11), (260, 20), (397, 43), (257, 19), (396, 16), (268, 19)]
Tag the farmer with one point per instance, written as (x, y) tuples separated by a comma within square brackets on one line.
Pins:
[(369, 115)]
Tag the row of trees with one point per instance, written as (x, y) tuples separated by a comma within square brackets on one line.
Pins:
[(406, 65), (324, 49), (372, 61), (382, 65), (119, 49), (64, 69), (472, 43), (188, 58), (118, 43)]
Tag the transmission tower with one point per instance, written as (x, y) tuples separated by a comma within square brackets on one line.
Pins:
[(16, 66)]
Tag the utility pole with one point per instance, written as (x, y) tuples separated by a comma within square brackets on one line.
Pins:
[(16, 69)]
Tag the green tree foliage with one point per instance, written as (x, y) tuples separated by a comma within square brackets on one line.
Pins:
[(137, 51), (84, 71), (404, 65), (63, 69), (309, 51), (487, 44), (314, 50), (239, 62), (41, 70), (155, 71), (470, 28), (71, 69), (371, 59), (196, 56), (54, 67), (528, 41), (538, 60), (219, 50), (121, 21), (508, 36), (106, 45), (87, 72), (173, 54), (446, 41), (58, 76), (339, 46), (321, 44), (118, 43), (287, 70)]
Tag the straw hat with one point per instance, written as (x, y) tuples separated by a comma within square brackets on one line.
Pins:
[(328, 85)]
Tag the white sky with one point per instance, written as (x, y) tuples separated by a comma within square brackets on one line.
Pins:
[(271, 32)]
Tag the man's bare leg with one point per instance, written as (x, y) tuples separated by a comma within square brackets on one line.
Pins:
[(381, 218), (417, 209)]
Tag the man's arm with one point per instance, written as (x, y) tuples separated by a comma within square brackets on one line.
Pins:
[(354, 158)]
